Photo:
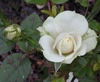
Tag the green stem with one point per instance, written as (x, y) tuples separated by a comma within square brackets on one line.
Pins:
[(86, 11)]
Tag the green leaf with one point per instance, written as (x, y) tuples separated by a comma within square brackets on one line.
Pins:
[(24, 46), (96, 66), (15, 68), (4, 47), (54, 10), (62, 9), (93, 13), (94, 25), (29, 30), (79, 71), (82, 61), (1, 23), (59, 80), (87, 79), (39, 2), (31, 23), (47, 12), (48, 79), (3, 19), (89, 71), (84, 3), (59, 1), (96, 5)]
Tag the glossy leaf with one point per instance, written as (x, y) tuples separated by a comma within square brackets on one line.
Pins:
[(15, 68)]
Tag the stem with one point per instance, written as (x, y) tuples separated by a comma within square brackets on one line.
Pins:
[(86, 11), (49, 8)]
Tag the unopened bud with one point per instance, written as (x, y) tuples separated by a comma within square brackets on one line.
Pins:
[(12, 31)]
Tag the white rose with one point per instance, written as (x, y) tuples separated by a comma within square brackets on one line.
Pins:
[(66, 37), (12, 31)]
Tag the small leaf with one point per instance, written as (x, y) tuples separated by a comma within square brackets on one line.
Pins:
[(30, 33), (15, 68), (96, 66), (31, 23), (96, 5), (82, 61), (62, 9), (3, 19), (87, 79), (48, 79), (84, 3), (59, 80), (23, 46), (93, 13), (54, 10), (4, 47), (59, 1), (39, 2), (47, 12), (94, 25)]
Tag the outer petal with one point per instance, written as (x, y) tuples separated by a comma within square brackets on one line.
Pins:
[(50, 27), (42, 31), (50, 54), (89, 40), (82, 50), (69, 21), (70, 60)]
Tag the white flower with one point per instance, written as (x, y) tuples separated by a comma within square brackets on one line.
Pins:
[(66, 37), (12, 31)]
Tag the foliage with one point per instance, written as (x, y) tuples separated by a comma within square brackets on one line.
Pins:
[(41, 2), (84, 3), (16, 67)]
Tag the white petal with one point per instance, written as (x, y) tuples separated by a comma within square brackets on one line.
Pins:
[(42, 31), (50, 27), (90, 40), (10, 36), (69, 21), (90, 33), (57, 66), (70, 60), (78, 40), (59, 47), (82, 50), (46, 42)]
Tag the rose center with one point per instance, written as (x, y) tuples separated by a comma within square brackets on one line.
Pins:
[(67, 45)]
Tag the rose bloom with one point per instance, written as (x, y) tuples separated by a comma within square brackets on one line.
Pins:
[(66, 37)]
